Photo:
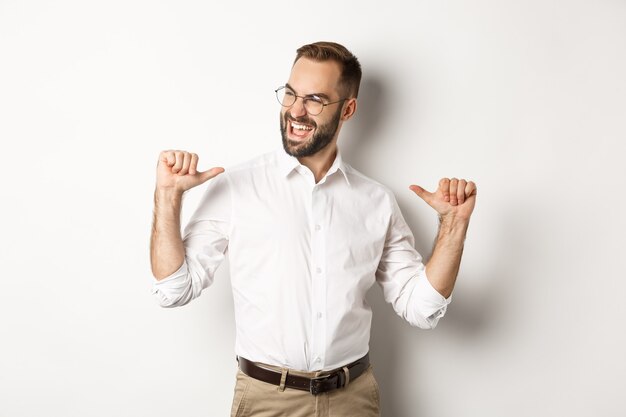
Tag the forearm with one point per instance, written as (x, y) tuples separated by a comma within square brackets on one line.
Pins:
[(443, 266), (166, 245)]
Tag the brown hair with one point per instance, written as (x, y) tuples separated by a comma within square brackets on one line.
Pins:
[(331, 51)]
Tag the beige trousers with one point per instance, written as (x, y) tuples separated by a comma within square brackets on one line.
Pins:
[(254, 398)]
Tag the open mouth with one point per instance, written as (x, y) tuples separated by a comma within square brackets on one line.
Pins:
[(299, 131)]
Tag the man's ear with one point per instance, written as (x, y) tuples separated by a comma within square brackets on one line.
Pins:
[(349, 109)]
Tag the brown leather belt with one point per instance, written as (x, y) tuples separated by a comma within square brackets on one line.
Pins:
[(334, 379)]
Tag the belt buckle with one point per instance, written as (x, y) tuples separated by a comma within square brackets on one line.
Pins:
[(314, 389)]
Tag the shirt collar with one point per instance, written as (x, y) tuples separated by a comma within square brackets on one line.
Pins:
[(288, 163)]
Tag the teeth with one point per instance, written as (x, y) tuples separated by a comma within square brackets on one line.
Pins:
[(300, 127)]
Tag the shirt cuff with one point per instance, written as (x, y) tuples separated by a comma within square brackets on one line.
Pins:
[(182, 270), (433, 304), (169, 289)]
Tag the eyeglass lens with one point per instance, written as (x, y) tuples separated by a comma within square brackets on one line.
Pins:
[(287, 98)]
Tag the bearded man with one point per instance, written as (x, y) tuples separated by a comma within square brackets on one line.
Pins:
[(307, 235)]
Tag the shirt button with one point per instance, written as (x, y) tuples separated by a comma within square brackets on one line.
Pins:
[(318, 359), (319, 315), (318, 227), (318, 270)]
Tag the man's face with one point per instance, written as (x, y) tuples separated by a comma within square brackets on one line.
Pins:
[(303, 134)]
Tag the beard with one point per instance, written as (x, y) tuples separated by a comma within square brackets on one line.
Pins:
[(323, 135)]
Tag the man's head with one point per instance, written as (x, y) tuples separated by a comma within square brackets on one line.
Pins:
[(325, 77), (349, 65)]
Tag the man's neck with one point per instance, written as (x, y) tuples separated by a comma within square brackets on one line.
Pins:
[(320, 163)]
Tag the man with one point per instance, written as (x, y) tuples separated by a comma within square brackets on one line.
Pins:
[(307, 236)]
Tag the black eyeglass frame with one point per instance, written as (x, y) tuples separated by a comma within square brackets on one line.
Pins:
[(311, 97)]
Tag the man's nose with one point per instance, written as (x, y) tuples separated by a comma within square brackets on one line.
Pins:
[(298, 109)]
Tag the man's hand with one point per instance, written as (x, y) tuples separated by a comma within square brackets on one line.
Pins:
[(453, 199), (177, 171)]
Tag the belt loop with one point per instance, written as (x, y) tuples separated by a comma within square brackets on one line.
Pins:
[(346, 372), (283, 379)]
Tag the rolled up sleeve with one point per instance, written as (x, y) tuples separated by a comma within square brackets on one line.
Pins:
[(402, 276), (205, 240)]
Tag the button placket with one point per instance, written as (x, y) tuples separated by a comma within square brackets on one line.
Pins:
[(318, 284)]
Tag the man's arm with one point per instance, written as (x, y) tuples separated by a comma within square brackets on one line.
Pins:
[(454, 201), (166, 244), (176, 173), (443, 266)]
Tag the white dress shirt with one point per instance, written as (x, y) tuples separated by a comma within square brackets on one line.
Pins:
[(302, 257)]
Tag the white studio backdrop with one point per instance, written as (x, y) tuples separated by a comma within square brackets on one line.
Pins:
[(528, 99)]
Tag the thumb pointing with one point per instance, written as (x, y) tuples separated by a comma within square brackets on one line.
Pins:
[(210, 173), (422, 193)]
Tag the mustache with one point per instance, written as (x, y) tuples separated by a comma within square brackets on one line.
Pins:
[(303, 120)]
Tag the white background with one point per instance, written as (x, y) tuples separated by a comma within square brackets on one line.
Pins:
[(528, 99)]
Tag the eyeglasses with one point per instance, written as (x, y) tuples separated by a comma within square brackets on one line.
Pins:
[(312, 103)]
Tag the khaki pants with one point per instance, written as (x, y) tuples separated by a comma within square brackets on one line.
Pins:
[(254, 398)]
